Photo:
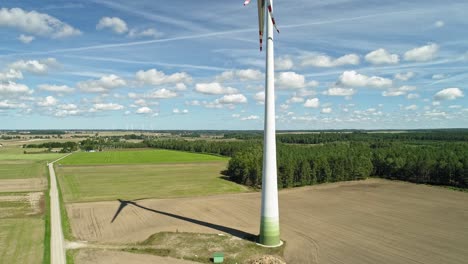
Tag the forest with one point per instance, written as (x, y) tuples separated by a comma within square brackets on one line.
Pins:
[(308, 159)]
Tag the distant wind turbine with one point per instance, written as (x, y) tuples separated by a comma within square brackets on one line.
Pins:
[(269, 223)]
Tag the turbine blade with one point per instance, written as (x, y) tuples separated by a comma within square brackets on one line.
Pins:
[(270, 10), (261, 20)]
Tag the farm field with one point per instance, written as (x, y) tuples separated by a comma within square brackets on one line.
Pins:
[(111, 182), (137, 157), (23, 182), (371, 221)]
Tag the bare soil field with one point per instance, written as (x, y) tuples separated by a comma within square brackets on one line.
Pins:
[(372, 221), (23, 185), (92, 256)]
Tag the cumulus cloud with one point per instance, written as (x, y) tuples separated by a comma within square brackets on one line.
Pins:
[(10, 75), (404, 76), (36, 23), (34, 66), (6, 104), (161, 94), (13, 88), (47, 101), (26, 39), (381, 56), (251, 117), (326, 110), (449, 94), (337, 91), (438, 76), (283, 63), (243, 75), (214, 88), (354, 79), (321, 60), (181, 111), (399, 91), (412, 96), (232, 99), (144, 110), (68, 106), (295, 100), (102, 85), (113, 23), (55, 88), (260, 97), (292, 80), (411, 107), (155, 77), (106, 107), (144, 33), (424, 53), (312, 103)]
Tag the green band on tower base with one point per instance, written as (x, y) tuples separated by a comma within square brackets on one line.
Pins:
[(269, 232)]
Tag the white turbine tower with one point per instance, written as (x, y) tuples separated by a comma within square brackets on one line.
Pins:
[(269, 223)]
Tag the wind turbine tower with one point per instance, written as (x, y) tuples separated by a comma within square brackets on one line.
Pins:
[(269, 223)]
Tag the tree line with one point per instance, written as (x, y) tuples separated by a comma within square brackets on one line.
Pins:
[(441, 163)]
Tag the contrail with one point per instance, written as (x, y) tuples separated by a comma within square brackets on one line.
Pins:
[(204, 35)]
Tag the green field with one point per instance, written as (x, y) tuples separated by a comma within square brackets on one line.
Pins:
[(99, 183), (21, 169), (21, 240), (136, 157)]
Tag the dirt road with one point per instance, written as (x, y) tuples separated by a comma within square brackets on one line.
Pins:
[(372, 221), (57, 242)]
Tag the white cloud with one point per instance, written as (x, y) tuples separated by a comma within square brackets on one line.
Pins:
[(449, 94), (181, 87), (34, 66), (336, 91), (283, 63), (177, 111), (424, 53), (243, 75), (13, 88), (155, 77), (320, 60), (232, 99), (251, 117), (26, 39), (106, 107), (214, 88), (65, 113), (56, 88), (411, 107), (412, 96), (5, 104), (144, 110), (404, 76), (352, 78), (48, 101), (438, 76), (36, 23), (114, 23), (144, 33), (439, 23), (10, 75), (312, 103), (162, 94), (399, 91), (193, 103), (381, 56), (292, 80), (295, 100), (326, 110), (68, 106), (260, 97), (104, 84)]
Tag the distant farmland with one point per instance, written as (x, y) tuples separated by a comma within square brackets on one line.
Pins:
[(137, 157), (142, 174)]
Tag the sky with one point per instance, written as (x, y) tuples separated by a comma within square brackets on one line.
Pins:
[(151, 64)]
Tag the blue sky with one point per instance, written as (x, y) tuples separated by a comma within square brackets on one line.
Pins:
[(101, 64)]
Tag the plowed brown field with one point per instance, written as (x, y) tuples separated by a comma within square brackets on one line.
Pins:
[(372, 221)]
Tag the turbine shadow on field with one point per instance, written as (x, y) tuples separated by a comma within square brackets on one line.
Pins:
[(228, 230)]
